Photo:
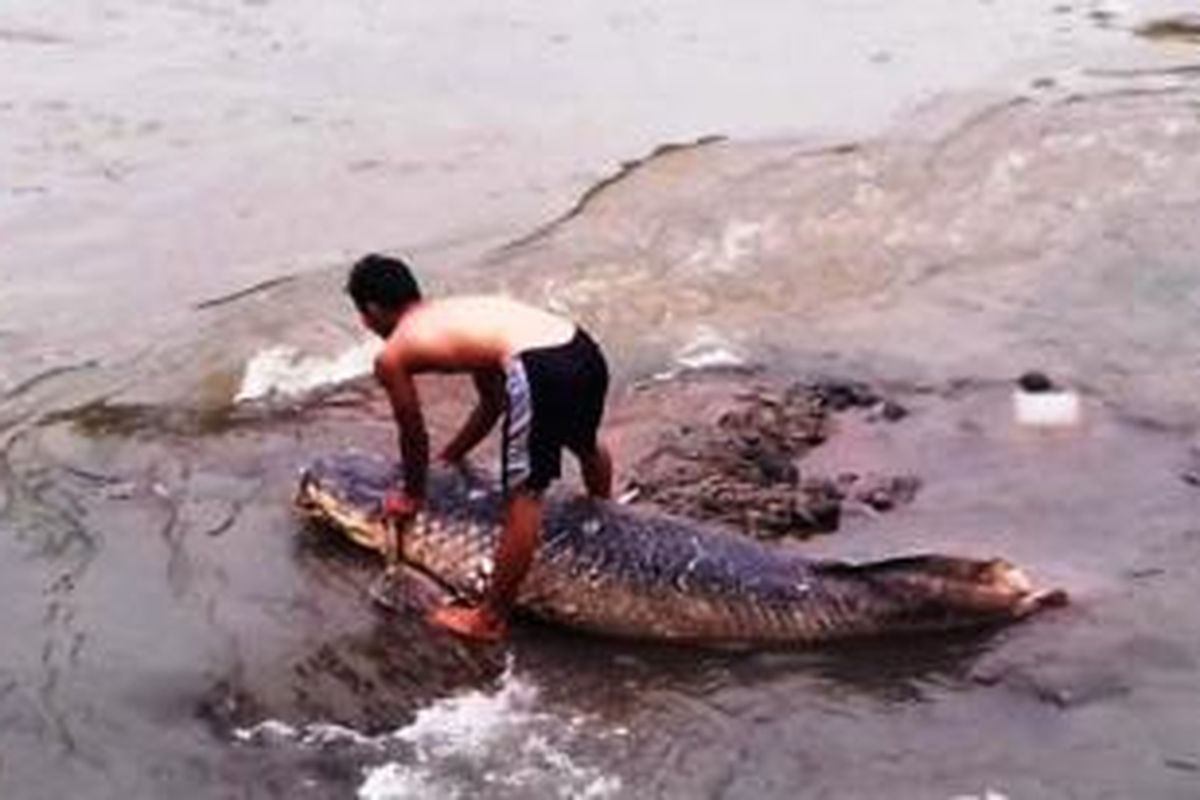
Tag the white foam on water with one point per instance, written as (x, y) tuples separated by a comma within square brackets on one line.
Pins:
[(988, 794), (317, 734), (286, 371), (496, 743), (395, 781), (707, 349)]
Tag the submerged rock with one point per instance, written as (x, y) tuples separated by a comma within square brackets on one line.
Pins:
[(1181, 27)]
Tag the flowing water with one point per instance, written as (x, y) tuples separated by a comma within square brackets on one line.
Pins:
[(933, 198)]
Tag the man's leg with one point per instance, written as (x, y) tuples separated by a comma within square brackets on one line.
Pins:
[(514, 551), (596, 466), (514, 554)]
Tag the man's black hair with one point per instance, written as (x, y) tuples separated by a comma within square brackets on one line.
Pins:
[(385, 281)]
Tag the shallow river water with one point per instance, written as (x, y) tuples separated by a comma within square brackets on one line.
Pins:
[(933, 200)]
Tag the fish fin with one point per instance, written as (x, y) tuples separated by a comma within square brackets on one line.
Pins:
[(407, 589)]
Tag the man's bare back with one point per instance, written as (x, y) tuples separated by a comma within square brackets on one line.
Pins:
[(472, 333)]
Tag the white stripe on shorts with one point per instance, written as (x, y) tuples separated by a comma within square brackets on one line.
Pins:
[(518, 420)]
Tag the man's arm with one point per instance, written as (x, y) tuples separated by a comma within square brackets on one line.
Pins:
[(490, 385), (391, 372)]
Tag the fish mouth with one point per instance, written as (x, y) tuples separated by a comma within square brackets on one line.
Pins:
[(404, 585), (319, 496), (305, 500), (319, 503)]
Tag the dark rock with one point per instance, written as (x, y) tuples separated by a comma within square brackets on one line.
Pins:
[(743, 471), (1035, 382), (842, 395), (891, 411), (1140, 573), (883, 493), (1191, 471), (1182, 27)]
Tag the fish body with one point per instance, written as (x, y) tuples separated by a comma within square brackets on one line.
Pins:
[(631, 572)]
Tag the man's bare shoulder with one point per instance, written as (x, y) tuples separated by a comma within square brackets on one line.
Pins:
[(475, 330), (449, 334), (482, 310), (435, 322)]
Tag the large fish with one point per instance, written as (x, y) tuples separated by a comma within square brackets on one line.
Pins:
[(622, 571)]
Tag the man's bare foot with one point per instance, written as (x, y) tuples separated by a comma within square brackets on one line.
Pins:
[(471, 622)]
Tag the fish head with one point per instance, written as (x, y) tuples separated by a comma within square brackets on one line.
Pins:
[(347, 492)]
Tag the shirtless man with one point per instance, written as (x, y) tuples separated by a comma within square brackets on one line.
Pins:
[(540, 371)]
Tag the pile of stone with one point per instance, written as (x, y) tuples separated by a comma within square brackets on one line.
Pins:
[(745, 469)]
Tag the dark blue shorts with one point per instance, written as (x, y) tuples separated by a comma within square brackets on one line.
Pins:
[(555, 400)]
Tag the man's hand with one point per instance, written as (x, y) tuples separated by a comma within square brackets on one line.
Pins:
[(398, 506), (458, 464), (492, 400)]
